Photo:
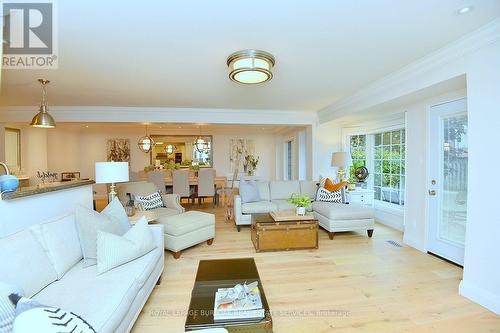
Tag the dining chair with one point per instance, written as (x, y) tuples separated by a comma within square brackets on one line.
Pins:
[(157, 177), (180, 184), (206, 185)]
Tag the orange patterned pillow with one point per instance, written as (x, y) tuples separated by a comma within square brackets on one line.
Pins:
[(330, 186)]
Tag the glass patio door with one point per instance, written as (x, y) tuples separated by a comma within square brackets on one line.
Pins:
[(447, 189)]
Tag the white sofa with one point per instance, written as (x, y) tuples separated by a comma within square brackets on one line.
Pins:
[(45, 261), (333, 217)]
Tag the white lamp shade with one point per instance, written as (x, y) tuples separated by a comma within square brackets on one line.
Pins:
[(111, 172), (341, 159)]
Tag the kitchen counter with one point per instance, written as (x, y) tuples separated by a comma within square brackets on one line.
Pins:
[(44, 188)]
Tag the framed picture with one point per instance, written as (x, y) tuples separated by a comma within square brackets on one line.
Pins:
[(118, 150), (68, 176)]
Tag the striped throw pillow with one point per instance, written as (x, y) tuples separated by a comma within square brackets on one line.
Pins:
[(151, 201), (327, 196)]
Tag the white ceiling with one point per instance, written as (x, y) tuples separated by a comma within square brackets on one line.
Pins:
[(172, 53)]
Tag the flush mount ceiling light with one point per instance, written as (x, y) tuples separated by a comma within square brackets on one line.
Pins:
[(464, 10), (145, 143), (250, 66), (43, 119)]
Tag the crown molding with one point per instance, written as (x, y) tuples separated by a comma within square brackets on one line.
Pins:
[(161, 115), (370, 95)]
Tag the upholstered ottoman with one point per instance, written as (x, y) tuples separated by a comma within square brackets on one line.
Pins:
[(187, 229), (337, 217)]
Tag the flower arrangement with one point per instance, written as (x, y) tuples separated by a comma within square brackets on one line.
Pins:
[(300, 201), (251, 162)]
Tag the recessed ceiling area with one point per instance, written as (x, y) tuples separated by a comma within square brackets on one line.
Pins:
[(173, 53)]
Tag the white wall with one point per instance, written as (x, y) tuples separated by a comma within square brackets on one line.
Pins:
[(481, 280), (33, 151), (2, 143), (328, 139)]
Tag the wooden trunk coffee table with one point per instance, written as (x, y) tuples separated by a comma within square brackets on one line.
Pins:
[(214, 274), (284, 231)]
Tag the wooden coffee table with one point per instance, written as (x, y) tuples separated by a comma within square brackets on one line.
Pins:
[(284, 232), (214, 274)]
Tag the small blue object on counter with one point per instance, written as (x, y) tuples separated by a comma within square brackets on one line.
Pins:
[(8, 183)]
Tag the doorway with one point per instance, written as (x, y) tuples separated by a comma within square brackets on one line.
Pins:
[(447, 188)]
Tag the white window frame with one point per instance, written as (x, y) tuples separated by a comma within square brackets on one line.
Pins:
[(370, 160), (289, 157)]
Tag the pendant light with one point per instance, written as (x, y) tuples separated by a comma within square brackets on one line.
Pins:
[(169, 149), (43, 119), (145, 143), (200, 144)]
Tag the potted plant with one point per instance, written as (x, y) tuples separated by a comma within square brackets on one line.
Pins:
[(301, 202)]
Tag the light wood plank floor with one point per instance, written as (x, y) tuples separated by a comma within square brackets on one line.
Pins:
[(359, 284)]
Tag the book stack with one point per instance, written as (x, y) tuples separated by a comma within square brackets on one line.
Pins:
[(243, 302)]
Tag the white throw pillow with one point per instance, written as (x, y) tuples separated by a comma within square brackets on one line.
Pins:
[(115, 209), (88, 223), (151, 201), (114, 250), (32, 316), (249, 192), (60, 240), (7, 309), (24, 262)]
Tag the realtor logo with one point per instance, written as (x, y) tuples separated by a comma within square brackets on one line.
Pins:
[(29, 35)]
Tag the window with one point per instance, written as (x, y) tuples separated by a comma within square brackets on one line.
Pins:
[(288, 149), (358, 152), (389, 166)]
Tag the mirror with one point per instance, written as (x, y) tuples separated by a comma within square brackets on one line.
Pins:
[(181, 150)]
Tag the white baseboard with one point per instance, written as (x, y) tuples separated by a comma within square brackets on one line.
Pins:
[(480, 296), (411, 242)]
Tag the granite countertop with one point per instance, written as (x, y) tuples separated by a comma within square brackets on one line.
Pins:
[(44, 188)]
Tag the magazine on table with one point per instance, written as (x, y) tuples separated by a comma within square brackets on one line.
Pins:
[(243, 301)]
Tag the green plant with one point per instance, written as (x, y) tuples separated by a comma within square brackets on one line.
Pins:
[(299, 200)]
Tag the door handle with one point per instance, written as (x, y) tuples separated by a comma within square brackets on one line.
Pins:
[(432, 192)]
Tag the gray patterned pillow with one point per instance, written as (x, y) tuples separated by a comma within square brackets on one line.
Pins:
[(151, 201), (327, 196)]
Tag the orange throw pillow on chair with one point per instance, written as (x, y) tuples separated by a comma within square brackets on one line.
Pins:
[(330, 186)]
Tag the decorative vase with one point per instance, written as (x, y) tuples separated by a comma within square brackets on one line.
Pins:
[(301, 211), (8, 183)]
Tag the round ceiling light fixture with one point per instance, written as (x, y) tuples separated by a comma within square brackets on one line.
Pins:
[(250, 66)]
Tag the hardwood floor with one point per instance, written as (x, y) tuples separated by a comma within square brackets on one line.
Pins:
[(350, 284)]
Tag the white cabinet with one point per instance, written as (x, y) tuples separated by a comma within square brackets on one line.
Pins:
[(361, 196)]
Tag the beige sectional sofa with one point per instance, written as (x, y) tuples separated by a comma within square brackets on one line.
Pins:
[(333, 217)]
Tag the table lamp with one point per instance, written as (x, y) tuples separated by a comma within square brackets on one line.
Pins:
[(342, 161), (111, 173)]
